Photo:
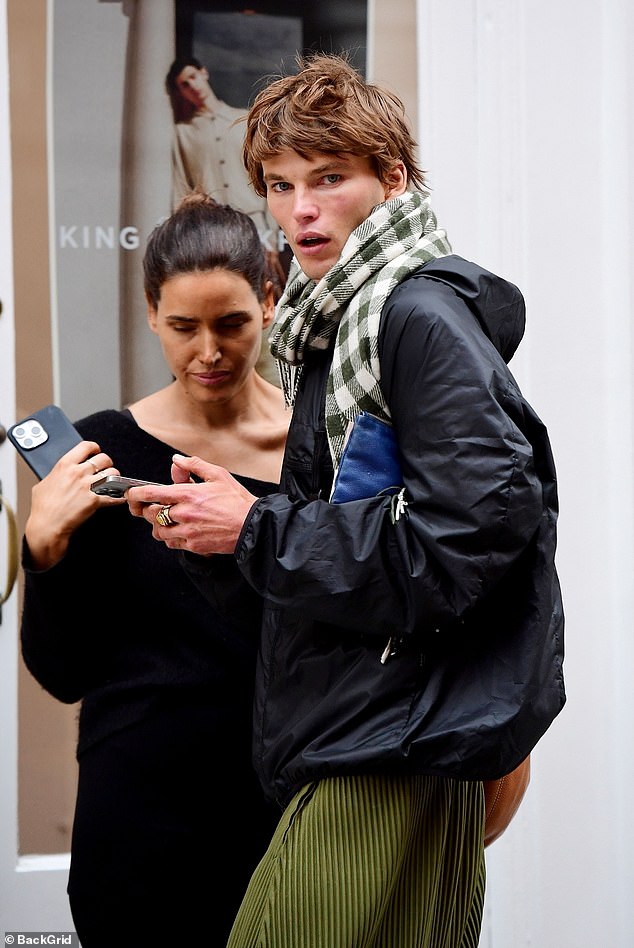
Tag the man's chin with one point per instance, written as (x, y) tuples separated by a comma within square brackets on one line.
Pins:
[(314, 268)]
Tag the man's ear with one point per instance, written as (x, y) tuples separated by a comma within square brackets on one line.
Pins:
[(396, 181)]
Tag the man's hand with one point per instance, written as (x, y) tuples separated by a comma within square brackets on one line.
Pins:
[(205, 518)]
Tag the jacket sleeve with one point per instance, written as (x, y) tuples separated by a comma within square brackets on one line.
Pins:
[(474, 499)]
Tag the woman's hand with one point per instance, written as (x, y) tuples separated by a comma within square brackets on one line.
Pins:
[(62, 501), (204, 518)]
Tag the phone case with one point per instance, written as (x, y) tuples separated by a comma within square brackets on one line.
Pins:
[(43, 437), (114, 485)]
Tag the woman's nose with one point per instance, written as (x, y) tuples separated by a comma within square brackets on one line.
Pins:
[(210, 351)]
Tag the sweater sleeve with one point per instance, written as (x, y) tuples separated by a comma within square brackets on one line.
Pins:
[(62, 624), (224, 587)]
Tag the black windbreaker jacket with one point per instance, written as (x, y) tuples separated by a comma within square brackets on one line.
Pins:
[(463, 582)]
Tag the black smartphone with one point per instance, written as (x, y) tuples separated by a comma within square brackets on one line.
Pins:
[(113, 485), (43, 437)]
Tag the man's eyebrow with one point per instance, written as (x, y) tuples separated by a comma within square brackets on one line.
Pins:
[(330, 166)]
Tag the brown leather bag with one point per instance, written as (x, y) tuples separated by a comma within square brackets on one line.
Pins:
[(502, 798)]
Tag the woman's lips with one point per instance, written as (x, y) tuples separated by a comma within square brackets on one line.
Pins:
[(211, 378)]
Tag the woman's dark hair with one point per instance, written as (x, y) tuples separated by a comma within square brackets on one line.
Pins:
[(203, 235)]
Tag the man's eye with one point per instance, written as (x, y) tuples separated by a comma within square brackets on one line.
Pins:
[(332, 178), (280, 186)]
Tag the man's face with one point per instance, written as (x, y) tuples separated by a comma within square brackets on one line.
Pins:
[(193, 85), (318, 202)]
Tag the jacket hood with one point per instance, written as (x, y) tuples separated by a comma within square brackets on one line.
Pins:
[(497, 304)]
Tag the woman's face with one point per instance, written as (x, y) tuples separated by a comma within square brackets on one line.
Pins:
[(210, 328)]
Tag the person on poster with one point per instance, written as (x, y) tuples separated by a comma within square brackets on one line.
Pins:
[(411, 643), (166, 785), (207, 151)]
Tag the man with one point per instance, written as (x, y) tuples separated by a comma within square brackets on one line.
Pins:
[(411, 646), (207, 147)]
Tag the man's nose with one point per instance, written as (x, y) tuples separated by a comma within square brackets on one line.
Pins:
[(304, 206)]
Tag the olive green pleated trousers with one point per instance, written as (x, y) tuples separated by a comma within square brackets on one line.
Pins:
[(371, 862)]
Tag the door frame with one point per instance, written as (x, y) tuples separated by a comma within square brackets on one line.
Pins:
[(32, 888)]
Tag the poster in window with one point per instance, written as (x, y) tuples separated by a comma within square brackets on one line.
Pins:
[(112, 167)]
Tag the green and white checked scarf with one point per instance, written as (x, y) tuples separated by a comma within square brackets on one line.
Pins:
[(397, 238)]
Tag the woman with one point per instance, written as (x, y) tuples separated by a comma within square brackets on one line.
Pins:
[(169, 820)]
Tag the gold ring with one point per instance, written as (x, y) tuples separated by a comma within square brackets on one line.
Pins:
[(163, 517)]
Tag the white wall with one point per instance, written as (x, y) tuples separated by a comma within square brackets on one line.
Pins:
[(526, 127)]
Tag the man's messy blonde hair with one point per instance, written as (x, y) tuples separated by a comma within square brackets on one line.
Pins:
[(328, 107)]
